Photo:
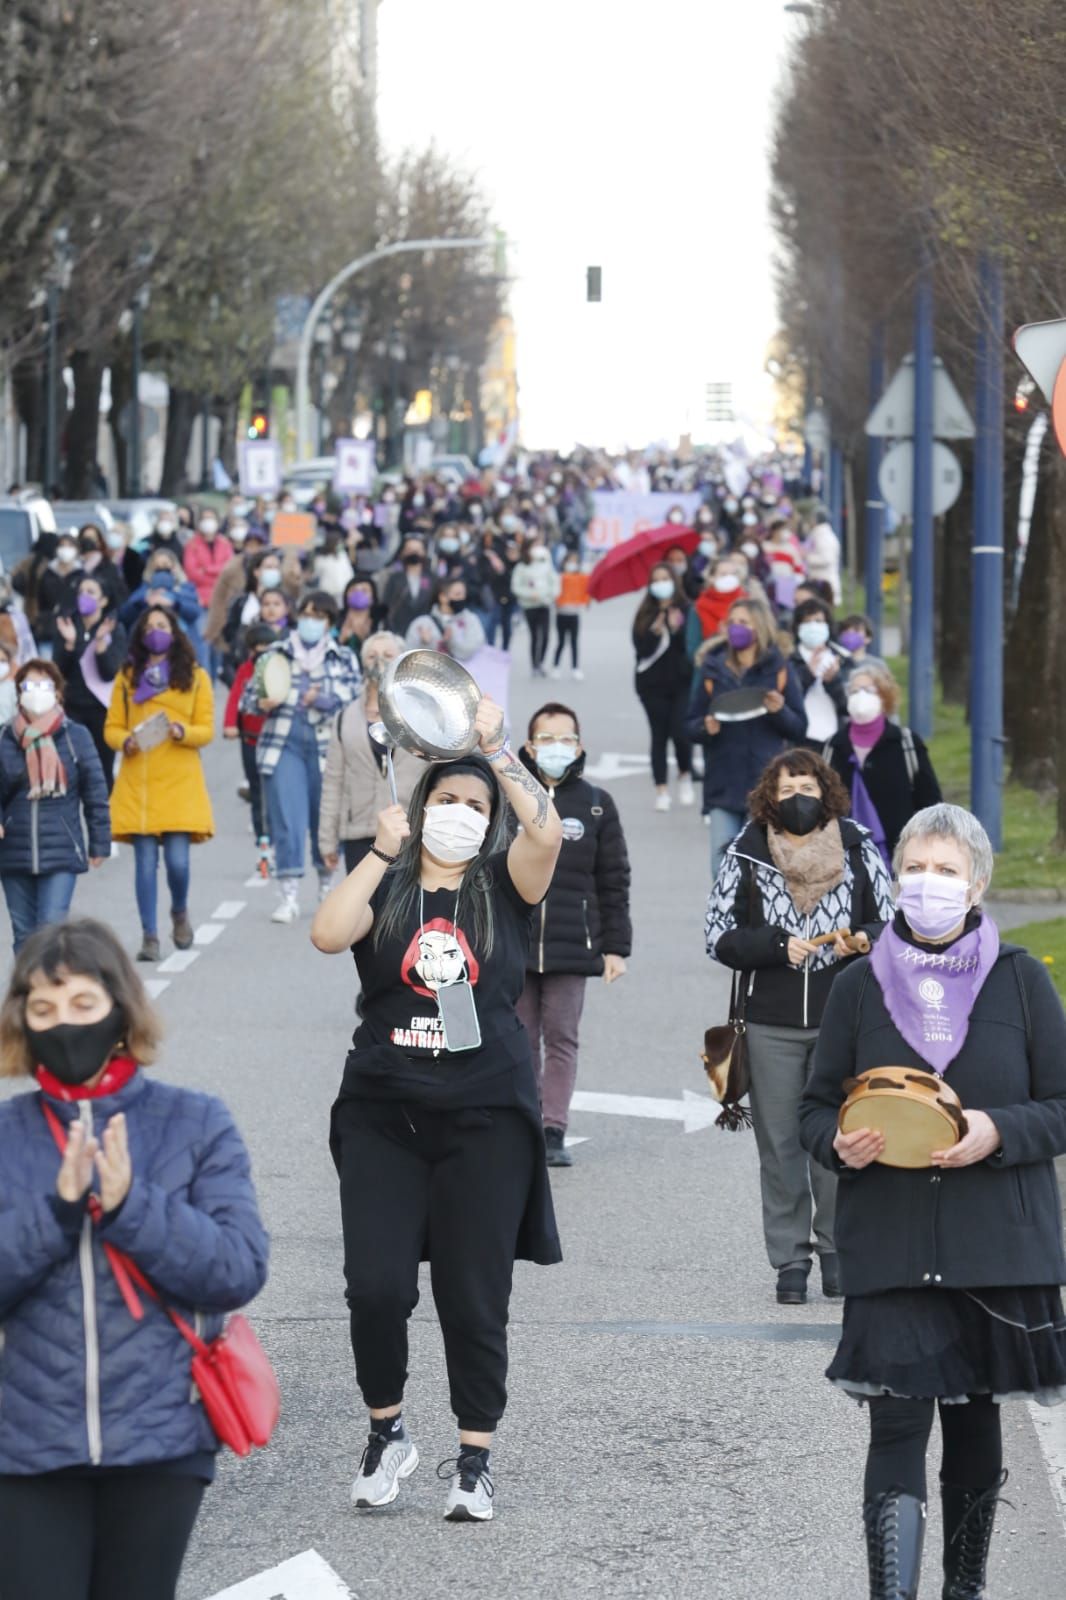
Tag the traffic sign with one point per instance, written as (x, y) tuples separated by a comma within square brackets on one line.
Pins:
[(893, 415), (816, 430), (896, 478), (1041, 349)]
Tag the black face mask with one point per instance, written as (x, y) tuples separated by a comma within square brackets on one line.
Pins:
[(412, 560), (801, 813), (457, 605), (74, 1052)]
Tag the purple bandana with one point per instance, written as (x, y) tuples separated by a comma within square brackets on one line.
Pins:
[(153, 680), (930, 993), (864, 812)]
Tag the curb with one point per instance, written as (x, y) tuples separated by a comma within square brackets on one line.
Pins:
[(1027, 897)]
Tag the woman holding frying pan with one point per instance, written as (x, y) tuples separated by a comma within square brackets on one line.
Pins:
[(747, 675), (952, 1271), (800, 875), (438, 1118)]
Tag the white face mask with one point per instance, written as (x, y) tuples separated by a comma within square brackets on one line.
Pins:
[(726, 582), (37, 699), (661, 589), (208, 526), (5, 668), (66, 554), (864, 705), (453, 833), (813, 634)]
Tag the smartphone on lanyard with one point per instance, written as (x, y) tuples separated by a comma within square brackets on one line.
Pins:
[(458, 1015)]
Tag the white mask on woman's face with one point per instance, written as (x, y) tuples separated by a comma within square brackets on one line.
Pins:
[(37, 698), (864, 705), (453, 833)]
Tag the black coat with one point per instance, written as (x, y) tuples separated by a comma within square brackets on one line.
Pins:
[(399, 606), (736, 756), (997, 1223), (884, 772), (78, 697), (585, 914), (668, 671)]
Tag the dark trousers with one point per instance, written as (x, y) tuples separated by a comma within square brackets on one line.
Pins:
[(567, 629), (92, 715), (549, 1008), (899, 1435), (106, 1537), (255, 789), (665, 710), (457, 1181), (539, 622)]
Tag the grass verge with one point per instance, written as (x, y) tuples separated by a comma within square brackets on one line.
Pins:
[(1026, 860), (1047, 942)]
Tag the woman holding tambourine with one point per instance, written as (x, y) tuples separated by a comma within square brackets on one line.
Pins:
[(951, 1270), (437, 1131)]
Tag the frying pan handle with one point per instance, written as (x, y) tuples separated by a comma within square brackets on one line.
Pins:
[(392, 774)]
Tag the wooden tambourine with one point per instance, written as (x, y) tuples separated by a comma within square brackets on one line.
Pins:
[(916, 1111), (273, 676)]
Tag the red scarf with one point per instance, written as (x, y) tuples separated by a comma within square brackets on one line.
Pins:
[(714, 605), (117, 1074), (45, 771)]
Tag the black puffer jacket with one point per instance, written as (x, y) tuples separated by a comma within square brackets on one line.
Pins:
[(585, 913)]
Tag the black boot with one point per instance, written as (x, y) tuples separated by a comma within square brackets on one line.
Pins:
[(969, 1515), (895, 1531)]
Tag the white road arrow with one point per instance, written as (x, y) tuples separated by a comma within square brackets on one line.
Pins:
[(612, 765), (695, 1111), (305, 1577)]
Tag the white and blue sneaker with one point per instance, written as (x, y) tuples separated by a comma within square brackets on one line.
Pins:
[(471, 1491), (385, 1464)]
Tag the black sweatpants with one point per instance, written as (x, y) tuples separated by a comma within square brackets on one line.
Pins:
[(539, 623), (113, 1536), (458, 1180), (253, 778), (665, 710), (899, 1435), (567, 629), (92, 715)]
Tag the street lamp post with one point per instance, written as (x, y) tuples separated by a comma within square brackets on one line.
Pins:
[(58, 281), (140, 305), (322, 299)]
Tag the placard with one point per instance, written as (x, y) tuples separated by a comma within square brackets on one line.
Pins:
[(353, 471), (259, 466), (293, 527)]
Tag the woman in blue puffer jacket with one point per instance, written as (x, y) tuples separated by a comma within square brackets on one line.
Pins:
[(105, 1449), (50, 776), (736, 753)]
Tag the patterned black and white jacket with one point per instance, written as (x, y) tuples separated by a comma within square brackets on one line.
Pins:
[(751, 916)]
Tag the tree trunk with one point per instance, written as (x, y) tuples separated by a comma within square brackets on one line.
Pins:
[(953, 585), (227, 436), (27, 382), (182, 410), (121, 395), (82, 426), (1031, 681)]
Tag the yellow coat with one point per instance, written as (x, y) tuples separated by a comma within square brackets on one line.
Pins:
[(162, 790)]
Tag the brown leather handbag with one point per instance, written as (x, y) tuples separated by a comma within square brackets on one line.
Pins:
[(725, 1061)]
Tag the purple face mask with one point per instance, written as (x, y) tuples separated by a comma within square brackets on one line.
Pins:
[(932, 904), (87, 604), (358, 600), (158, 640), (741, 637), (852, 639)]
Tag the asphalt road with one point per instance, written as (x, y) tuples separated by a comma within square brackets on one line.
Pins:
[(670, 1432)]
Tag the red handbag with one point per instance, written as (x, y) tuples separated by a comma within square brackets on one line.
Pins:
[(237, 1384)]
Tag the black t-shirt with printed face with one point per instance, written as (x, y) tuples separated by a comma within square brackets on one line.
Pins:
[(400, 977)]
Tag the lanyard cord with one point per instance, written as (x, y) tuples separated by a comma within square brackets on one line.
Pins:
[(455, 924)]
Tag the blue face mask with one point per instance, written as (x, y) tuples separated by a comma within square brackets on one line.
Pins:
[(554, 759), (311, 630)]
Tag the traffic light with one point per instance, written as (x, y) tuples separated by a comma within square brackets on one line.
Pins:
[(259, 425), (1023, 395), (594, 283)]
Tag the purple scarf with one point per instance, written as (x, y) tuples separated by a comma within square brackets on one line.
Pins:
[(930, 993), (864, 812), (153, 680)]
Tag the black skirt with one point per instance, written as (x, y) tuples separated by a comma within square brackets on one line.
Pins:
[(948, 1344)]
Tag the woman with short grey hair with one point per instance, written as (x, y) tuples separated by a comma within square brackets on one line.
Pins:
[(951, 1273)]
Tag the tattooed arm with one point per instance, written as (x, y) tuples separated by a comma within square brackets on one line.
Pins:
[(531, 858)]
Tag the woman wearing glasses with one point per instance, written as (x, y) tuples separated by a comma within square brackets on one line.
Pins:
[(581, 929)]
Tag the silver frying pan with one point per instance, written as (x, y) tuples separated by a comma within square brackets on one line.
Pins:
[(428, 703)]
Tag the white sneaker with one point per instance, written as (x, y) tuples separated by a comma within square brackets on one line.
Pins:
[(685, 791), (385, 1464), (325, 885), (470, 1494), (662, 802), (578, 675), (288, 907), (555, 673)]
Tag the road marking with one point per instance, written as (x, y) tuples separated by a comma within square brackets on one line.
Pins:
[(227, 909), (695, 1111), (208, 932), (612, 765), (1050, 1425), (256, 881), (569, 1141), (154, 987), (179, 961), (304, 1577)]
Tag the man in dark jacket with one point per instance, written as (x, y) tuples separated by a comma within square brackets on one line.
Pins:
[(407, 591), (582, 927)]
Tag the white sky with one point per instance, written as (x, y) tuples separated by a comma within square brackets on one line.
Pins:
[(629, 136)]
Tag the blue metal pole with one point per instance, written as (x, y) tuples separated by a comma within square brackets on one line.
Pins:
[(836, 491), (921, 679), (986, 618), (875, 508)]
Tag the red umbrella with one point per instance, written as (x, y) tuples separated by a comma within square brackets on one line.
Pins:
[(626, 568)]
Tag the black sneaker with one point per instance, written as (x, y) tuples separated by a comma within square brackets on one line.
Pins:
[(792, 1286), (830, 1267), (558, 1154)]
